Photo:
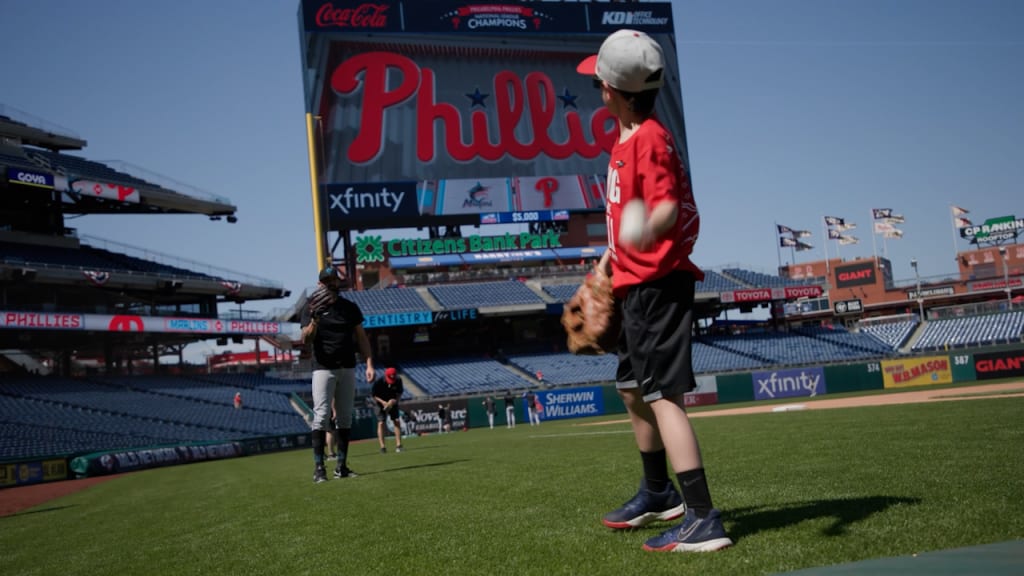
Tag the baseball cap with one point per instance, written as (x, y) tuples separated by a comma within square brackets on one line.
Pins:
[(628, 60), (390, 374), (328, 273)]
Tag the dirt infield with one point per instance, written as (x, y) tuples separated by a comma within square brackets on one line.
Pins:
[(15, 500)]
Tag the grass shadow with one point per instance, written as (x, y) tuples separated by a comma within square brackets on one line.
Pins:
[(415, 466), (742, 522), (39, 511)]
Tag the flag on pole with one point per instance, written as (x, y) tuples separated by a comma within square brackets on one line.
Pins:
[(894, 233), (801, 246), (962, 222), (845, 227), (845, 240), (958, 211), (834, 234), (879, 213), (883, 227), (787, 242), (895, 219), (784, 229), (801, 233), (834, 221)]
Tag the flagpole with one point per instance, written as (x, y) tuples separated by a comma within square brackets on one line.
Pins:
[(952, 220), (824, 241), (874, 243), (778, 242)]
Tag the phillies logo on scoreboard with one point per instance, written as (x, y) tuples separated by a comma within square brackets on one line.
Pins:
[(521, 105)]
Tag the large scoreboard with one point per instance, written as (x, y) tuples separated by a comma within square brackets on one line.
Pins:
[(456, 112)]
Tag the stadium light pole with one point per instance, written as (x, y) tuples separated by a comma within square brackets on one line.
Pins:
[(1006, 277), (920, 301)]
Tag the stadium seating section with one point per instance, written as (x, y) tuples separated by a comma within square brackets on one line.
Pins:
[(484, 295), (1005, 327)]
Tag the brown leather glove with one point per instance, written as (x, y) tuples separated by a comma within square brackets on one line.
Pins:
[(592, 318)]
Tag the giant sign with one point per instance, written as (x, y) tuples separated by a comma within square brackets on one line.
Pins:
[(855, 275), (992, 365)]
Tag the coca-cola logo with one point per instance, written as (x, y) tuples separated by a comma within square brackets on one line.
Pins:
[(364, 16), (524, 105)]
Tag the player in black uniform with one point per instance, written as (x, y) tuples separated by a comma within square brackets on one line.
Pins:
[(334, 331)]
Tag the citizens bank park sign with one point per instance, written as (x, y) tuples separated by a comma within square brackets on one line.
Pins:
[(466, 112), (769, 294)]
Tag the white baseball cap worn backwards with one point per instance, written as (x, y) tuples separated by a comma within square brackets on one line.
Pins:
[(628, 60)]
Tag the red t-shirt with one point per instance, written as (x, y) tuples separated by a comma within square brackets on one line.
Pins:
[(648, 166)]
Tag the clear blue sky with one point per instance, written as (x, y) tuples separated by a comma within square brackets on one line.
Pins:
[(795, 109)]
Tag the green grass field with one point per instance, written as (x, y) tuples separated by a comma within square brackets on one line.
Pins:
[(797, 490)]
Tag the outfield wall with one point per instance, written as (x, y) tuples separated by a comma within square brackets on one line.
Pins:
[(565, 403)]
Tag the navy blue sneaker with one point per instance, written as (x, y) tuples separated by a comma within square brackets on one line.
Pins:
[(343, 471), (646, 507), (319, 474), (693, 535)]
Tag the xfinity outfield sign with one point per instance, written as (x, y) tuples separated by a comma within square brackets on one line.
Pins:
[(994, 230)]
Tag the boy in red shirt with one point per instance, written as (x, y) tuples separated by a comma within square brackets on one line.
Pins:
[(654, 279)]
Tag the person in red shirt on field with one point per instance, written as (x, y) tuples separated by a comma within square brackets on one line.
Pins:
[(654, 278)]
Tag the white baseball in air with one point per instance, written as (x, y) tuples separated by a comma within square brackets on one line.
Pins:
[(634, 217)]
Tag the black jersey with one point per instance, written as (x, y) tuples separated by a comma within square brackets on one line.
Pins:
[(334, 344)]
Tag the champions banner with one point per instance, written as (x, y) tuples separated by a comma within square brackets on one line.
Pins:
[(923, 371), (476, 104)]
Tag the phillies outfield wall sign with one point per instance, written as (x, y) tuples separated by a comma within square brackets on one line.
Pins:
[(476, 103), (17, 320)]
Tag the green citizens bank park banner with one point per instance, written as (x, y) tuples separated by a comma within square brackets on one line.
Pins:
[(371, 249)]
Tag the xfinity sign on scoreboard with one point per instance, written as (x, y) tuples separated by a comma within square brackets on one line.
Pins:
[(462, 112)]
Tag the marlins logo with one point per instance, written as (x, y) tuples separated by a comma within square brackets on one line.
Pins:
[(477, 197)]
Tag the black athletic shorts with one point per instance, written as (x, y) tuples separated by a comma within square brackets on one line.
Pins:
[(389, 413), (654, 345)]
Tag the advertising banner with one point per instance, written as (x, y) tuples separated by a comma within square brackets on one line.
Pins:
[(574, 403), (31, 178), (922, 371), (424, 419), (855, 275), (992, 365), (34, 472), (853, 306), (13, 320), (796, 382), (705, 394), (768, 294)]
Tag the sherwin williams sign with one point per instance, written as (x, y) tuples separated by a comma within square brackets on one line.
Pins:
[(575, 403), (916, 372), (793, 383)]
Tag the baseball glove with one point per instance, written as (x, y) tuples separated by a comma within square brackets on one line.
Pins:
[(592, 318), (321, 299)]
